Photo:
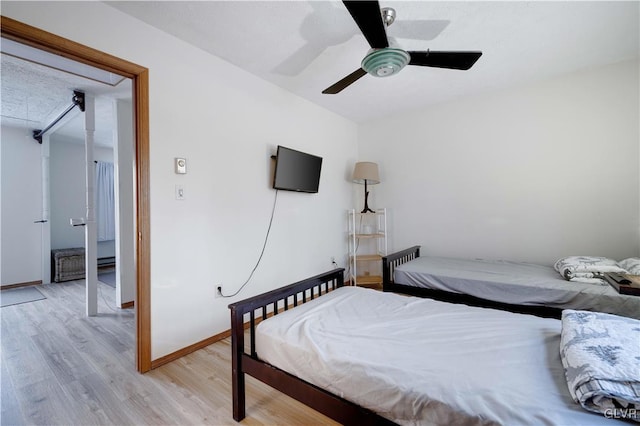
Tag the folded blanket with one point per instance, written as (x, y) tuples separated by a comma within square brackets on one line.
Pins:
[(601, 358), (589, 269), (631, 264)]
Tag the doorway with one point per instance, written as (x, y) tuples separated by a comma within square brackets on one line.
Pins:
[(43, 40)]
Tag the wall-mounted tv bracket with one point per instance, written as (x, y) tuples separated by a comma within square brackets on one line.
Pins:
[(76, 99)]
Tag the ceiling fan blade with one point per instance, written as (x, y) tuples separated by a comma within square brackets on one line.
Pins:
[(452, 60), (369, 18), (345, 82)]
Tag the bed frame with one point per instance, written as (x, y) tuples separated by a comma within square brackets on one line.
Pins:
[(248, 313), (392, 261)]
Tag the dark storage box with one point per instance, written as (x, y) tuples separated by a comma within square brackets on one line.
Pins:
[(67, 264)]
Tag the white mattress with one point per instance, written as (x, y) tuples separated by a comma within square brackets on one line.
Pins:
[(420, 361), (516, 283)]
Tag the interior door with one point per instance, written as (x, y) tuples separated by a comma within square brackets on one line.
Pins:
[(21, 170)]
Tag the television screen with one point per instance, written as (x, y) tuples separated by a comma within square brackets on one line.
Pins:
[(296, 171)]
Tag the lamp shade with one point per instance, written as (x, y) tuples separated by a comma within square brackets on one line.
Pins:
[(366, 172)]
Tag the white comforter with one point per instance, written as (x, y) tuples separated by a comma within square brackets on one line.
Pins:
[(419, 361), (588, 269), (601, 356)]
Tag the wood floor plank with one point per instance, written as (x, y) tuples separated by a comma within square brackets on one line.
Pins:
[(21, 356), (97, 403), (44, 403), (113, 367), (61, 356), (11, 414), (60, 367)]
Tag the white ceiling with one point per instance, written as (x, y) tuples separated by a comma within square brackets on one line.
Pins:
[(33, 96), (305, 47)]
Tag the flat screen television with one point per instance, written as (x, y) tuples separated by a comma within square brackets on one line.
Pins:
[(296, 171)]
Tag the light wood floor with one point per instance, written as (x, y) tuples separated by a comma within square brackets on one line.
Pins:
[(59, 367)]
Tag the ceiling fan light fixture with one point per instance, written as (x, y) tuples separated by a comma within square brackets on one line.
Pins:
[(385, 62)]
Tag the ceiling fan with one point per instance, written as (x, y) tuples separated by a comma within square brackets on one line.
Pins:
[(323, 28), (384, 59)]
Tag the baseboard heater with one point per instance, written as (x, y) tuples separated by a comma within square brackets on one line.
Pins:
[(106, 261)]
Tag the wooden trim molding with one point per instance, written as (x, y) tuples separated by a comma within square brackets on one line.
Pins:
[(143, 222), (43, 40), (209, 341), (49, 42), (206, 342), (27, 284), (127, 305), (189, 349)]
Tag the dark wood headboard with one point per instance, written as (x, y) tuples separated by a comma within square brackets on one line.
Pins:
[(391, 261)]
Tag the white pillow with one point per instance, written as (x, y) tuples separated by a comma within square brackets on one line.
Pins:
[(631, 264)]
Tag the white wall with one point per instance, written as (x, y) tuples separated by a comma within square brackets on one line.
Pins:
[(125, 202), (531, 173), (68, 192), (21, 200), (227, 123)]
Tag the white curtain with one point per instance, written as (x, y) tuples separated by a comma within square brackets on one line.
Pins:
[(105, 201)]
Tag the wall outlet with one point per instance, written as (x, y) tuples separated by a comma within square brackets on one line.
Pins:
[(333, 262), (218, 292)]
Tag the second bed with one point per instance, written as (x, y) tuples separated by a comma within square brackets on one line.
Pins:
[(517, 286)]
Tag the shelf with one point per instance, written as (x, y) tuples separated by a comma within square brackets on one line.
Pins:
[(368, 279), (367, 257), (378, 235), (367, 244)]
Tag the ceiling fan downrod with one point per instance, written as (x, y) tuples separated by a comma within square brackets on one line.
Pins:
[(388, 15)]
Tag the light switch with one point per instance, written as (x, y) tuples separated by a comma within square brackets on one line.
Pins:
[(181, 166), (179, 192)]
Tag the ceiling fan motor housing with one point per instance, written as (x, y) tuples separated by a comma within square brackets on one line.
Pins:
[(385, 62)]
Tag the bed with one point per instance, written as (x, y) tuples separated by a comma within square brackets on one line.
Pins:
[(361, 356), (514, 286), (244, 360)]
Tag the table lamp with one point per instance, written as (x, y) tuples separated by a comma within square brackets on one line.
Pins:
[(367, 173)]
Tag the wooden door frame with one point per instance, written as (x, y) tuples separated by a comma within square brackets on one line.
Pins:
[(35, 37)]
